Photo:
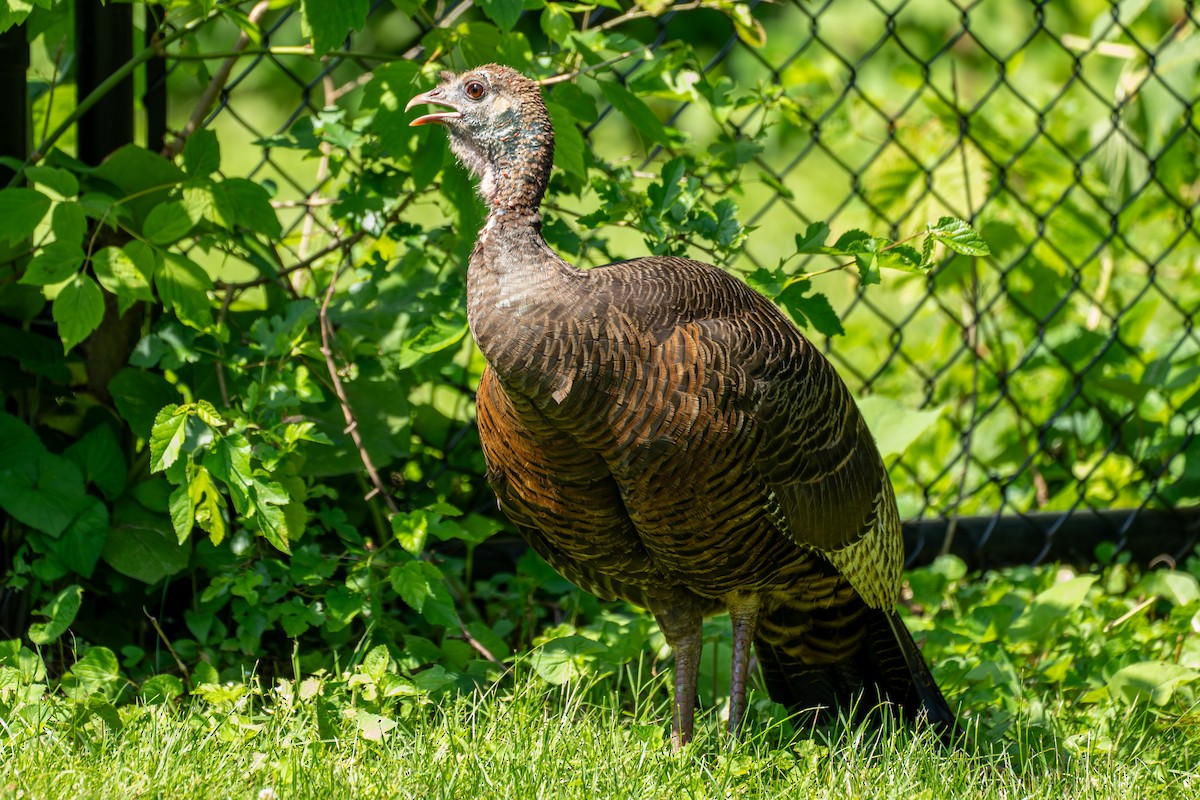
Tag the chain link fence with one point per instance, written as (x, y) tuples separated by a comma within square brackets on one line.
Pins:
[(1062, 373)]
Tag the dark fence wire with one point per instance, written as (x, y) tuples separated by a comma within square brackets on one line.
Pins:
[(988, 515)]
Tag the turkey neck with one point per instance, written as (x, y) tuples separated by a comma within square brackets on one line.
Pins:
[(521, 298)]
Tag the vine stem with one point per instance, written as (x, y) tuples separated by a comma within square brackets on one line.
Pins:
[(106, 86)]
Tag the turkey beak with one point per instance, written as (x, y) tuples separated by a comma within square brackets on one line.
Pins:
[(434, 97)]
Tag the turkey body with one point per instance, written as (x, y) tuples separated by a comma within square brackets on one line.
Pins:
[(662, 434)]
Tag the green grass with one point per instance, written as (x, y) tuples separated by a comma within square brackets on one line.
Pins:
[(528, 740), (1071, 686)]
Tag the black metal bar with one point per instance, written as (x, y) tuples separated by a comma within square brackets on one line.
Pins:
[(155, 98), (15, 137), (1150, 536), (103, 43)]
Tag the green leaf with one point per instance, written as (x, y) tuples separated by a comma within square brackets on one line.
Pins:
[(1178, 587), (814, 308), (422, 586), (202, 153), (342, 606), (142, 544), (78, 309), (167, 223), (440, 333), (61, 611), (729, 229), (19, 445), (69, 223), (330, 21), (167, 436), (813, 239), (244, 203), (60, 180), (749, 29), (411, 531), (959, 237), (895, 425), (868, 268), (373, 727), (375, 663), (770, 282), (207, 412), (98, 671), (904, 258), (388, 92), (566, 659), (1050, 608), (183, 512), (487, 637), (630, 106), (229, 462), (83, 541), (504, 13), (569, 145), (44, 493), (209, 505), (851, 242), (557, 24), (122, 276), (438, 679), (1155, 681), (54, 263), (21, 210), (268, 501), (39, 355), (183, 285), (138, 171), (139, 395), (161, 689)]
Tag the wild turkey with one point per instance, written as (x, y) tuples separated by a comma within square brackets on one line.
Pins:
[(661, 433)]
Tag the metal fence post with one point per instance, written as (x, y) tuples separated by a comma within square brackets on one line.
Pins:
[(103, 42)]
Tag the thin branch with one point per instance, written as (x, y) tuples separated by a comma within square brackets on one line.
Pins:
[(478, 645), (640, 12), (307, 203), (1083, 44), (219, 79), (162, 635), (573, 74), (343, 400)]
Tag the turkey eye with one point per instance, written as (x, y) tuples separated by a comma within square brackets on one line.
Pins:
[(475, 89)]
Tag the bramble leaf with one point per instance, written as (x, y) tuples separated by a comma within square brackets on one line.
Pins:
[(78, 309), (167, 436), (21, 210), (54, 263), (959, 237)]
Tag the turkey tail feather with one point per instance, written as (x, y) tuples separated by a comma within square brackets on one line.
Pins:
[(807, 673)]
